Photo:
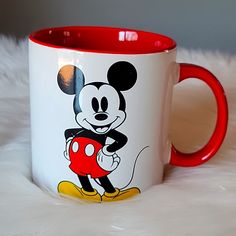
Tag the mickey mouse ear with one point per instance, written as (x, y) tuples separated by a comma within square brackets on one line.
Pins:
[(122, 75), (70, 79)]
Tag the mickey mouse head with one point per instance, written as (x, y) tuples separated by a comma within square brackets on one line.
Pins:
[(99, 107)]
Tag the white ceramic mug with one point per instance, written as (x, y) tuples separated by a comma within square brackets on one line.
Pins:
[(100, 106)]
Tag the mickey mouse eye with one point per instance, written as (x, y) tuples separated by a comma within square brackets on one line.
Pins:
[(95, 104), (104, 104)]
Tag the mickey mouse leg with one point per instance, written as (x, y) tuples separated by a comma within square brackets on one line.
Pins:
[(86, 185), (107, 185), (115, 194), (87, 192)]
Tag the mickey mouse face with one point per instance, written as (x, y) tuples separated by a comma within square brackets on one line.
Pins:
[(98, 106)]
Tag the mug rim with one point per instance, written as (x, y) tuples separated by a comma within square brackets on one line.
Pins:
[(150, 42)]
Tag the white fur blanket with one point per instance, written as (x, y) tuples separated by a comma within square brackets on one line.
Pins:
[(191, 201)]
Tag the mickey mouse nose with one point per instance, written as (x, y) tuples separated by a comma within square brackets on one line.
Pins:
[(101, 116)]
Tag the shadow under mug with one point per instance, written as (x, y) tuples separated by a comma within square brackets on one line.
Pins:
[(100, 106)]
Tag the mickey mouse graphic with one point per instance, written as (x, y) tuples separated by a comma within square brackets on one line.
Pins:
[(99, 109)]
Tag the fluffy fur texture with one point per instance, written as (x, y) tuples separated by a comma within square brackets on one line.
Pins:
[(191, 201)]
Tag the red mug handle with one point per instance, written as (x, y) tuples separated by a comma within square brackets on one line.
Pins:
[(205, 153)]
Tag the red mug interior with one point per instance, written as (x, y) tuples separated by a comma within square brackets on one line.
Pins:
[(103, 40)]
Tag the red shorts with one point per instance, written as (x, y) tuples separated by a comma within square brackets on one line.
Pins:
[(83, 156)]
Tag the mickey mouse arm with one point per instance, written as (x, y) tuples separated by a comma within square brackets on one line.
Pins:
[(71, 133), (120, 140)]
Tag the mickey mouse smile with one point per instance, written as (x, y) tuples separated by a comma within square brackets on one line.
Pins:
[(101, 129)]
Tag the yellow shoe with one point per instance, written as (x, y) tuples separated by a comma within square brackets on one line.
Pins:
[(120, 194), (66, 188)]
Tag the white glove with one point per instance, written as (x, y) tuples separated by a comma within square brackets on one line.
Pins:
[(108, 161), (66, 152)]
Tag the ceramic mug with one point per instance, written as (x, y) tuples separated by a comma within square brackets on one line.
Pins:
[(100, 107)]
